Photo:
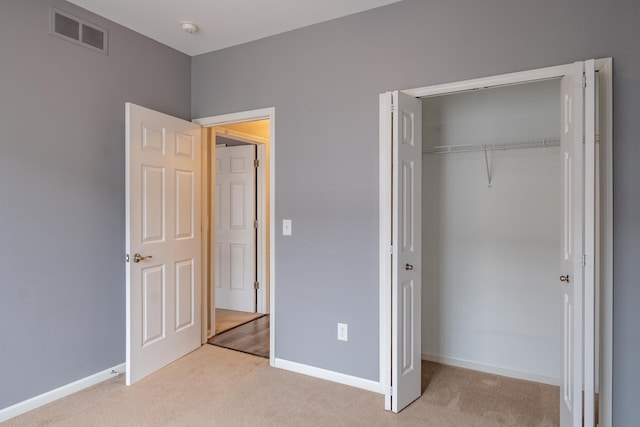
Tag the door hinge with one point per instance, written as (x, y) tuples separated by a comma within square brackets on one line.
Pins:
[(584, 260), (584, 81), (255, 224), (391, 250), (390, 391), (256, 163), (126, 258), (256, 285), (393, 108)]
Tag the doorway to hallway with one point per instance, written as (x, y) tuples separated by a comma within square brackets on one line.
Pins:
[(250, 198)]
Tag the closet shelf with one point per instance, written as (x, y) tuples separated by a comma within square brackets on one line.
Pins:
[(535, 143)]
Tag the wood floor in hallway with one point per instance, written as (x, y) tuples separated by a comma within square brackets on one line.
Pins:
[(251, 337)]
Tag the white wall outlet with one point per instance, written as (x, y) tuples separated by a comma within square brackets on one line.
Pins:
[(286, 227), (343, 332)]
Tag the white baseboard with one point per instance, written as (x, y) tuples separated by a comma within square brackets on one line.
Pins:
[(58, 393), (324, 374), (491, 369)]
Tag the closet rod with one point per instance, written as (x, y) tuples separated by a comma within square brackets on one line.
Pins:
[(535, 143)]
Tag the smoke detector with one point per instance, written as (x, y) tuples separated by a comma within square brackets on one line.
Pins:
[(189, 27)]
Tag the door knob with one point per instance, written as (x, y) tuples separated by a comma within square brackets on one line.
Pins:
[(564, 278), (137, 257), (408, 267)]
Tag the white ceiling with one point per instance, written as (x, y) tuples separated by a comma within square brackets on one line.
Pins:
[(222, 23)]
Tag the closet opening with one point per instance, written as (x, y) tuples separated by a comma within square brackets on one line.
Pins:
[(491, 230), (491, 235), (497, 232)]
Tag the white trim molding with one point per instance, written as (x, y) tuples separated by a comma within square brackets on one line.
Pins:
[(384, 254), (242, 116), (493, 81), (502, 80), (606, 289), (491, 369), (60, 392), (324, 374)]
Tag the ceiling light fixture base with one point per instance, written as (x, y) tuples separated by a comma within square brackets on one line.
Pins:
[(189, 27)]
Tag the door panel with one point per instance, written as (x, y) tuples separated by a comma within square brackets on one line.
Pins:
[(185, 186), (406, 260), (572, 246), (185, 287), (153, 288), (153, 189), (238, 211), (235, 233), (162, 211), (407, 319)]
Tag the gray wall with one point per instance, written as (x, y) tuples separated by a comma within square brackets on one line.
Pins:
[(324, 82), (62, 299)]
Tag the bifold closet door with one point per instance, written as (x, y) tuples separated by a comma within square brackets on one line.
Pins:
[(578, 245), (407, 250)]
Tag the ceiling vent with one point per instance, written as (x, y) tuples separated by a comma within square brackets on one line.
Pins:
[(78, 31)]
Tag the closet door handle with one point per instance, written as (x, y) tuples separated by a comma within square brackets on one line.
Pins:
[(564, 278), (408, 267)]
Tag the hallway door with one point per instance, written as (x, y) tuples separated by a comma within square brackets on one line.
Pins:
[(235, 223)]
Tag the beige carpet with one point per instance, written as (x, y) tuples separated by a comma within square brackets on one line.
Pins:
[(217, 387), (227, 319)]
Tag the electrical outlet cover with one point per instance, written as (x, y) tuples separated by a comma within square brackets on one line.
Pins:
[(343, 332)]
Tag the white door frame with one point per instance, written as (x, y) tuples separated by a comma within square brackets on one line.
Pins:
[(225, 119), (605, 278)]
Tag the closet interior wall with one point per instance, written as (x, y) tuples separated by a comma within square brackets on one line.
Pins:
[(491, 299)]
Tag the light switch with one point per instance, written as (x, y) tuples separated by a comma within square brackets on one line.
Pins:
[(286, 227)]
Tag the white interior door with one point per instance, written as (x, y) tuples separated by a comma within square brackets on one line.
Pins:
[(162, 240), (235, 250), (407, 250), (578, 245)]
